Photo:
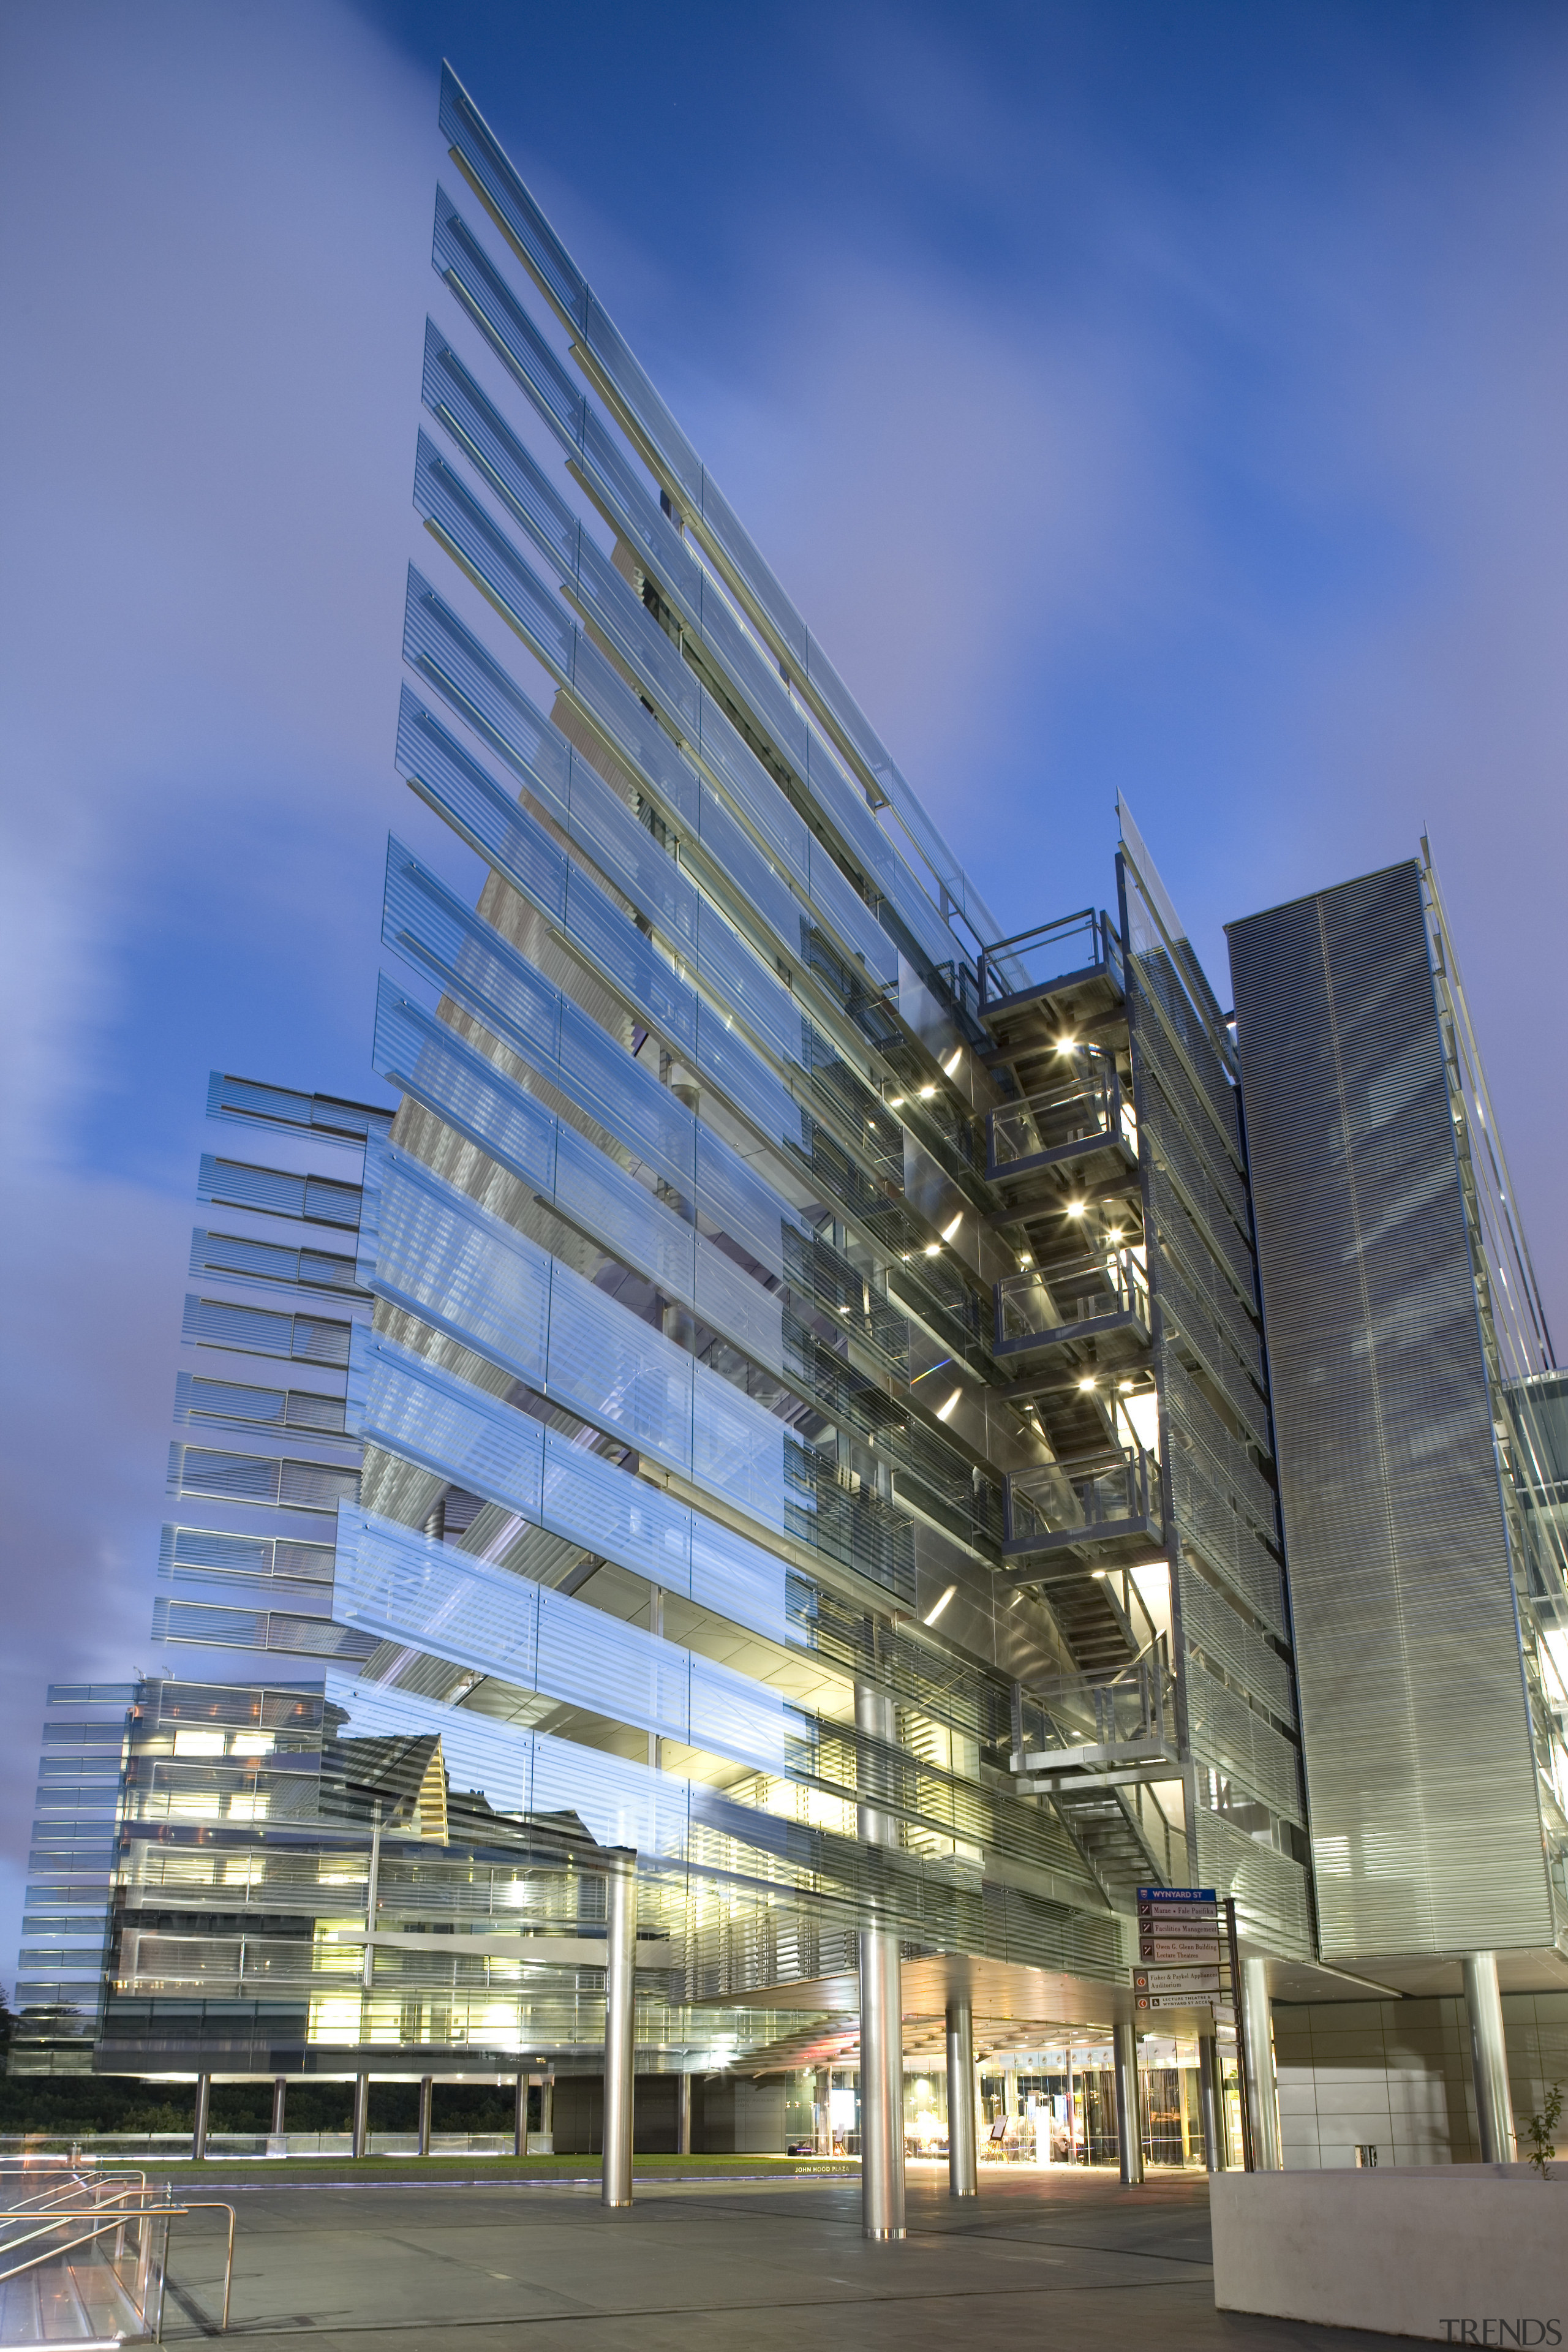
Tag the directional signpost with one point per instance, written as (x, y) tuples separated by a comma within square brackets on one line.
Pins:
[(1181, 1947), (1188, 1959)]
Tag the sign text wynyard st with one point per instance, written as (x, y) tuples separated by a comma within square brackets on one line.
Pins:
[(1182, 1950)]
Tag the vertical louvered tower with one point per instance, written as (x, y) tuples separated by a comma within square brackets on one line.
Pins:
[(1417, 1410)]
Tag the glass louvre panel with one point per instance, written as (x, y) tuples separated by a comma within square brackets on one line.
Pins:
[(614, 1208), (617, 1372), (588, 919), (736, 854), (742, 1310), (228, 1554), (742, 1205), (227, 1400), (490, 1758), (736, 1716), (621, 1803), (734, 1069), (426, 923), (421, 1054), (425, 750), (463, 1270), (429, 1416), (599, 1662), (738, 1448), (636, 732), (742, 659), (440, 649), (589, 1501), (488, 556), (425, 1415), (427, 1060), (407, 1588), (738, 1579), (320, 1343), (769, 1010), (456, 254), (490, 444), (238, 1477), (603, 1079), (629, 960)]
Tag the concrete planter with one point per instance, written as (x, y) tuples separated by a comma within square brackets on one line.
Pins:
[(1459, 2254)]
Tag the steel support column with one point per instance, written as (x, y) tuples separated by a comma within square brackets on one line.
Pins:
[(427, 2101), (683, 2115), (963, 2170), (1129, 2108), (519, 2118), (199, 2127), (362, 2114), (881, 2007), (1262, 2096), (620, 2024), (1211, 2092), (1489, 2059)]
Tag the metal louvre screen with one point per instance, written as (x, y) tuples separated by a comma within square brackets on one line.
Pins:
[(1426, 1829)]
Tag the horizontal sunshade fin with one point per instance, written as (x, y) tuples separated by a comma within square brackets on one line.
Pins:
[(405, 1587), (415, 1409), (650, 422), (420, 1054), (318, 1200), (468, 1274)]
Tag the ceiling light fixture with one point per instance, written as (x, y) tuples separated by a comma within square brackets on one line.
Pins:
[(926, 1093), (1087, 1383), (1077, 1208)]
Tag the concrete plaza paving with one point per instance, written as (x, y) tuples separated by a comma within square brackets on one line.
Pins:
[(1057, 2258)]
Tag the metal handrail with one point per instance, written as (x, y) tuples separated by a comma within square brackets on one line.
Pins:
[(1117, 1269), (1025, 1128), (1080, 1498), (117, 2220)]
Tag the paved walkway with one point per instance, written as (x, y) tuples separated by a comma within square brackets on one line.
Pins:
[(1057, 2258)]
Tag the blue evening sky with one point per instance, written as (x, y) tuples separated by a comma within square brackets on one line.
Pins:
[(1154, 398)]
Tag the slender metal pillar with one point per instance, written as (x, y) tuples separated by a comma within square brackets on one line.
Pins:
[(519, 2118), (1489, 2059), (362, 2114), (427, 2101), (199, 2127), (277, 2139), (1260, 2089), (1129, 2108), (963, 2170), (683, 2115), (881, 2009), (620, 2025), (823, 2103), (547, 2111), (1215, 2155)]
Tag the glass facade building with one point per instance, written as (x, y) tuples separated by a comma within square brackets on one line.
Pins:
[(782, 1395)]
